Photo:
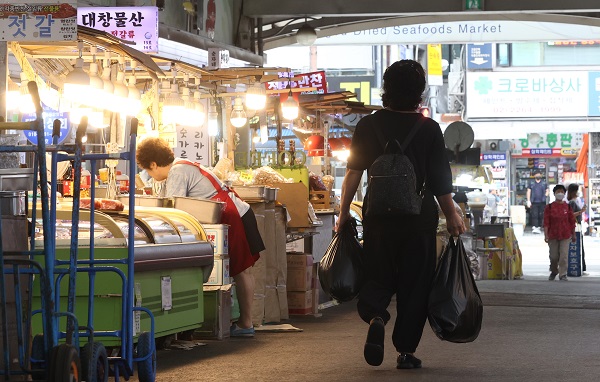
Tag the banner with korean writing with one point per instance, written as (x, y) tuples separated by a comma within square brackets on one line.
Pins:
[(137, 24), (49, 116), (193, 144), (304, 80), (527, 94), (434, 65), (46, 21)]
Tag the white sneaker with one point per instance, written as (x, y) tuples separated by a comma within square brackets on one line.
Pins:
[(536, 230)]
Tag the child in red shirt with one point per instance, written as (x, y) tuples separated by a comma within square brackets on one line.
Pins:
[(559, 231)]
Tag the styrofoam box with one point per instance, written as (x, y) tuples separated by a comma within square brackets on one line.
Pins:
[(220, 272), (217, 234)]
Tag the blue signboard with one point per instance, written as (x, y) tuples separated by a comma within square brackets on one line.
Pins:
[(49, 116), (594, 94), (479, 56), (574, 267)]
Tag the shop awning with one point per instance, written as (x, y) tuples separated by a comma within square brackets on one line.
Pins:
[(53, 58)]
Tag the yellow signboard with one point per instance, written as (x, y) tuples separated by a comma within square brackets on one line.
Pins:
[(434, 65)]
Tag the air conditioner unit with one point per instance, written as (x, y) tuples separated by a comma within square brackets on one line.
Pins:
[(504, 145)]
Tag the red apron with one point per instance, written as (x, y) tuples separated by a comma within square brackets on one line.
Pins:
[(240, 257)]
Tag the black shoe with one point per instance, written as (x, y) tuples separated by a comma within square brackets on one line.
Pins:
[(408, 361), (373, 351)]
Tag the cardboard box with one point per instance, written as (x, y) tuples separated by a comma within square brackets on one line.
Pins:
[(218, 236), (217, 313), (220, 272), (299, 279), (300, 302), (295, 198), (299, 260)]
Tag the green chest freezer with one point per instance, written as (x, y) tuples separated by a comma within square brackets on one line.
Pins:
[(172, 260)]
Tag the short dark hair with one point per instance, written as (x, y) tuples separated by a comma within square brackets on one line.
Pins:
[(559, 187), (403, 85), (573, 187), (154, 150)]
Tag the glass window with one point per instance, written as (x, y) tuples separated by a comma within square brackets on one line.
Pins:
[(527, 54), (503, 54)]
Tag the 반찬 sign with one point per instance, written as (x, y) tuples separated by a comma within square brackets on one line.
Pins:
[(136, 24), (47, 21), (304, 80)]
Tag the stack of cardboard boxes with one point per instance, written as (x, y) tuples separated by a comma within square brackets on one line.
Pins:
[(220, 304), (270, 271), (302, 284)]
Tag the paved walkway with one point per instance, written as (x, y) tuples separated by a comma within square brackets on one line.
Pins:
[(533, 330)]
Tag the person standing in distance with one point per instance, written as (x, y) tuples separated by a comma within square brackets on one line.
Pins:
[(536, 202), (400, 251), (559, 232)]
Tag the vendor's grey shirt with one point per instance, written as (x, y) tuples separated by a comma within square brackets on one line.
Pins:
[(187, 180)]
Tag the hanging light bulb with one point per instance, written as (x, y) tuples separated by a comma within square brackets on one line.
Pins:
[(13, 95), (173, 104), (188, 116), (256, 97), (289, 107), (238, 115), (199, 108), (106, 102), (120, 98), (213, 123), (25, 102), (134, 97), (77, 82)]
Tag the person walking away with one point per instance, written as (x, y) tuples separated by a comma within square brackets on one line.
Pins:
[(559, 231), (578, 211), (536, 202), (185, 178), (399, 251)]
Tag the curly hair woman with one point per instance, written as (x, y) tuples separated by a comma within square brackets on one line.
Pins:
[(400, 251)]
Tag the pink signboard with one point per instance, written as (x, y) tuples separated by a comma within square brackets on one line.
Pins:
[(304, 80), (136, 24)]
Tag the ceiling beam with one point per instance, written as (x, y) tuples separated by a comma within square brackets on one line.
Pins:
[(278, 8)]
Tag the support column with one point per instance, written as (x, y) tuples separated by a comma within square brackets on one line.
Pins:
[(3, 78)]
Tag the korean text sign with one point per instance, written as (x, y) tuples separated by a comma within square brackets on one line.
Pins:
[(528, 94), (137, 24), (38, 21), (304, 80)]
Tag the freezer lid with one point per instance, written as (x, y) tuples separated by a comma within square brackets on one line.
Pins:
[(168, 256)]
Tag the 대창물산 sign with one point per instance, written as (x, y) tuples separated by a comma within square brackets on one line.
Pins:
[(137, 24), (46, 21)]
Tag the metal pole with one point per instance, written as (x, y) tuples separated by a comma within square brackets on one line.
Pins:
[(3, 77)]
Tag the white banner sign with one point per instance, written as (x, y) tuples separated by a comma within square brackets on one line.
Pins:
[(527, 94), (40, 20), (462, 32), (137, 24)]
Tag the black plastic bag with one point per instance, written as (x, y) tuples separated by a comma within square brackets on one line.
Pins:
[(341, 268), (455, 310)]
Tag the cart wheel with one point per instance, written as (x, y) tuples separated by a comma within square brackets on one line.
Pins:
[(146, 368), (94, 369), (37, 352), (64, 364)]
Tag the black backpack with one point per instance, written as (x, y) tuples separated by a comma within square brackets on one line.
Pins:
[(392, 186)]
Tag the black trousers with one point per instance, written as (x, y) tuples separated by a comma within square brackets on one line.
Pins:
[(401, 264), (537, 214)]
